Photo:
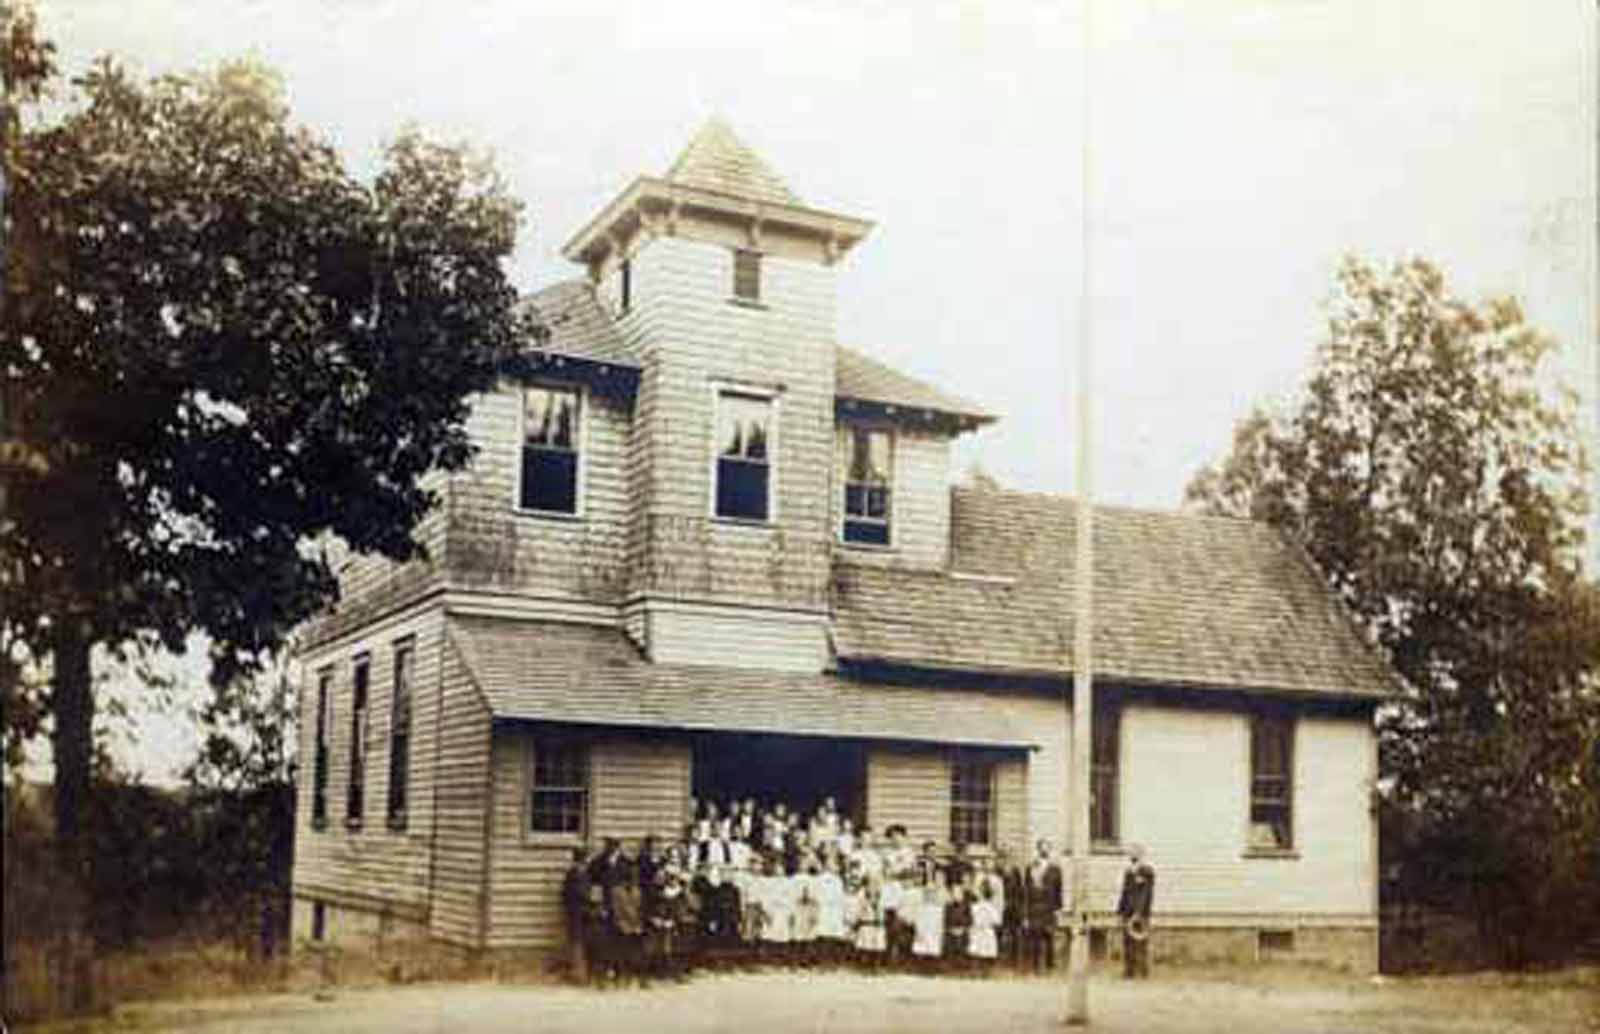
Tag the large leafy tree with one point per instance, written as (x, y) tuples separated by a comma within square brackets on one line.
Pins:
[(224, 345), (1434, 474)]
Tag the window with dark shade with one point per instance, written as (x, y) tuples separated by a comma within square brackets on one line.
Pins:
[(1107, 723), (971, 800), (1271, 783), (400, 735), (319, 921), (550, 449), (867, 485), (625, 284), (559, 797), (747, 275), (319, 761), (744, 463), (355, 799)]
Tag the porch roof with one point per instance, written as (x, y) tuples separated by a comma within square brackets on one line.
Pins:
[(593, 675)]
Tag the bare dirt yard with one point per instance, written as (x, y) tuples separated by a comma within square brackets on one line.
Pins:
[(1236, 1002)]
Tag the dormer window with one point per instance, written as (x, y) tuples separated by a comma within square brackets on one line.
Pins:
[(744, 456), (550, 450), (747, 275), (868, 484)]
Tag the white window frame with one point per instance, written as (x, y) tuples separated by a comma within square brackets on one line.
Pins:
[(1292, 790), (846, 446), (774, 399), (531, 784), (579, 511)]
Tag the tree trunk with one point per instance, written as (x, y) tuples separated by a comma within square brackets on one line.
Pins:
[(73, 951)]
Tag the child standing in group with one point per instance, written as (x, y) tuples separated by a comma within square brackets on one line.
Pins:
[(828, 886), (806, 908), (957, 926), (777, 907), (871, 941), (928, 924), (982, 943)]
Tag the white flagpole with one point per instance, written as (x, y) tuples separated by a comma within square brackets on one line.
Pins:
[(1082, 703)]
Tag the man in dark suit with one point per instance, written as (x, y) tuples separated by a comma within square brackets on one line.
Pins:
[(1138, 892), (1041, 891)]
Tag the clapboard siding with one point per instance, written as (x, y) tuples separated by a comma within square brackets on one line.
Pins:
[(911, 787), (1011, 805), (640, 787), (493, 545), (374, 861), (1186, 785), (462, 784), (919, 528), (771, 640), (525, 873), (637, 787)]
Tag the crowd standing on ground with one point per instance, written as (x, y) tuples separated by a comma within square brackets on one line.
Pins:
[(748, 885)]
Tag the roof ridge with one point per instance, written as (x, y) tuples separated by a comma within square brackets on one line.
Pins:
[(1041, 495), (716, 159)]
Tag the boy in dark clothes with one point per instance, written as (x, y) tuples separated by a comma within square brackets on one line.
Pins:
[(720, 910), (575, 907)]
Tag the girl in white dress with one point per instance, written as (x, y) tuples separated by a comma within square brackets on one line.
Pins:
[(928, 920), (983, 943), (777, 906), (828, 886)]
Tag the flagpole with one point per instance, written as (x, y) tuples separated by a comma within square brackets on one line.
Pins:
[(1082, 703)]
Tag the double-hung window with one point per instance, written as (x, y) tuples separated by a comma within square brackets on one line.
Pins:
[(558, 799), (971, 800), (868, 483), (319, 761), (744, 479), (1103, 763), (400, 734), (355, 798), (1271, 783), (551, 444)]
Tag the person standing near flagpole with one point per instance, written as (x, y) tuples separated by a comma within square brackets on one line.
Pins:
[(1138, 893)]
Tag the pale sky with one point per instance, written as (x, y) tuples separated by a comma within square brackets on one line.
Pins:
[(1238, 149)]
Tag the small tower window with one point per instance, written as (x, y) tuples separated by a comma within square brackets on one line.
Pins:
[(625, 284), (747, 275)]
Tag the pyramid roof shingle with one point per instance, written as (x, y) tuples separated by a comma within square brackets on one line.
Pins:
[(717, 160)]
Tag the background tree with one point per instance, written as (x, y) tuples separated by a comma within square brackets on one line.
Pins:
[(1437, 481), (224, 345)]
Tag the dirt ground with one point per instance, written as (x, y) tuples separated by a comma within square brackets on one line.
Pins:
[(774, 1002)]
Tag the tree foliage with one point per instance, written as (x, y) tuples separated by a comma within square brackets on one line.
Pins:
[(225, 346), (1435, 476)]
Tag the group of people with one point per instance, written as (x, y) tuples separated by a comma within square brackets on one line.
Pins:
[(773, 885)]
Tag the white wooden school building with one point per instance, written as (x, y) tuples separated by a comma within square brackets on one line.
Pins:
[(708, 549)]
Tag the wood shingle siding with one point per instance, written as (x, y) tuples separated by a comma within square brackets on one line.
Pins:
[(919, 522), (490, 545), (691, 338)]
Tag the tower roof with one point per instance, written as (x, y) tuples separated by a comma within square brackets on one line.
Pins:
[(717, 160)]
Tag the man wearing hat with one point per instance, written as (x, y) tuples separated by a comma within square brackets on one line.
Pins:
[(1138, 891)]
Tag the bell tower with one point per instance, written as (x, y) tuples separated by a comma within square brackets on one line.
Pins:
[(723, 284)]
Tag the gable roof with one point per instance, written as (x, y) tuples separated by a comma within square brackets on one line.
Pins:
[(717, 160), (1180, 599), (861, 378), (593, 675)]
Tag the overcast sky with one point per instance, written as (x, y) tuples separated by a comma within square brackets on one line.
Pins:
[(1238, 149)]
